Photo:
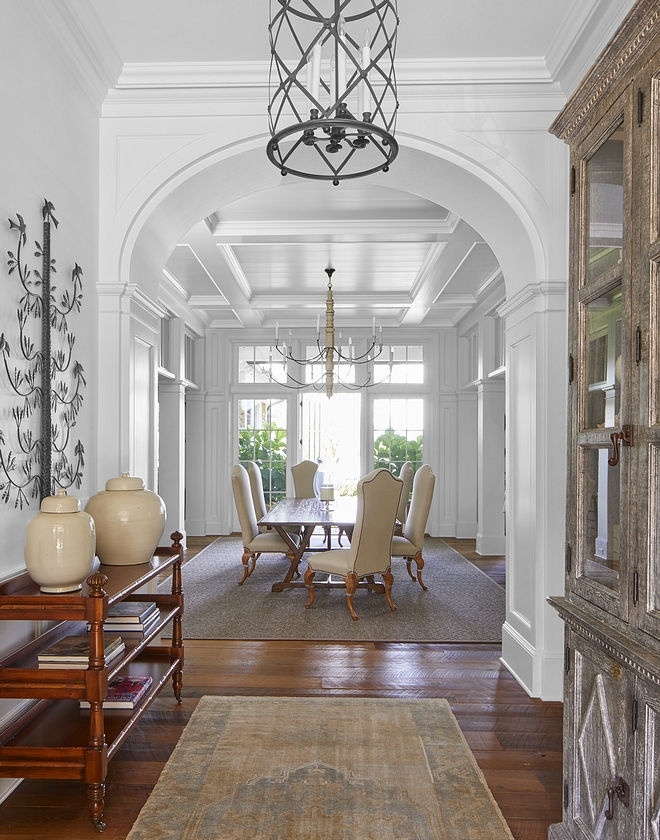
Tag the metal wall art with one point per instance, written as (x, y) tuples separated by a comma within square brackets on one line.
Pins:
[(48, 379)]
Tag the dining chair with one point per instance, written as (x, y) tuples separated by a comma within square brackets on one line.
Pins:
[(411, 543), (406, 475), (259, 500), (378, 495), (254, 543), (303, 475)]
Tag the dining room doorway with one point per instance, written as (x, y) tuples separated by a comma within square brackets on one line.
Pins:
[(331, 435)]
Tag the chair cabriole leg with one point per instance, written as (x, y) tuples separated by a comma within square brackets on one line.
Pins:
[(388, 579), (351, 582), (419, 562), (408, 565), (247, 568), (309, 583)]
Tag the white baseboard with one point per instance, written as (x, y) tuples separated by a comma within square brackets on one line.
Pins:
[(488, 546), (7, 787)]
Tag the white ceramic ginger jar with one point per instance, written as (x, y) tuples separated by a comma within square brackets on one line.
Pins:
[(60, 542), (129, 521)]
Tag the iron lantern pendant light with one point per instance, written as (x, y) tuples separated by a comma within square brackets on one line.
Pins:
[(332, 87)]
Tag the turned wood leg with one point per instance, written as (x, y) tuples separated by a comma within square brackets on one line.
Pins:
[(351, 587), (408, 563), (247, 569), (419, 562), (388, 579), (95, 795), (309, 583)]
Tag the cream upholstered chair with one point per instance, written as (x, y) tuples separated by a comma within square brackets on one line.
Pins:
[(406, 475), (303, 475), (411, 543), (370, 552), (259, 500), (254, 543)]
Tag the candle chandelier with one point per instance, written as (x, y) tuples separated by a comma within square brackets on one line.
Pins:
[(329, 355), (333, 98)]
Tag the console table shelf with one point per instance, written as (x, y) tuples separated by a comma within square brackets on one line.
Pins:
[(54, 738)]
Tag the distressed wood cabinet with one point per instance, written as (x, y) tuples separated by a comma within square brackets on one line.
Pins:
[(54, 738), (611, 605)]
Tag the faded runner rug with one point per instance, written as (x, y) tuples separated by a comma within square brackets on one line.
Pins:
[(249, 768), (462, 603)]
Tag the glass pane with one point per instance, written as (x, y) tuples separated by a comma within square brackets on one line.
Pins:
[(398, 433), (335, 439), (246, 364), (605, 180), (262, 438), (601, 526), (604, 361)]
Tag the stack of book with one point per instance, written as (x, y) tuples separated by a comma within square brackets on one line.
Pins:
[(123, 693), (131, 615), (73, 652)]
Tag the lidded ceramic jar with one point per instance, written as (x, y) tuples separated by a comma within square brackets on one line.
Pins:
[(60, 542), (129, 521)]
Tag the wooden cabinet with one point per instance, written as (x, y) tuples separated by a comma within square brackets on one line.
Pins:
[(54, 738), (611, 605)]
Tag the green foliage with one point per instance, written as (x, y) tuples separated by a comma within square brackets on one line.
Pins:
[(392, 449), (267, 447)]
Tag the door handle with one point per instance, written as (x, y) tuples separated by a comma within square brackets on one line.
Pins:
[(622, 791), (626, 437)]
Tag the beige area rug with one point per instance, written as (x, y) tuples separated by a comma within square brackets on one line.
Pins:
[(321, 769)]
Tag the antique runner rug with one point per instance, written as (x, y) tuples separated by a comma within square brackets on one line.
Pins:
[(249, 768), (462, 603)]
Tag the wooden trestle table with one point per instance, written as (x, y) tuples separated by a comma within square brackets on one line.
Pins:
[(308, 514)]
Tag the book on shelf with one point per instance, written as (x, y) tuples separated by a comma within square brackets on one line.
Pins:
[(73, 652), (140, 627), (131, 612), (123, 693)]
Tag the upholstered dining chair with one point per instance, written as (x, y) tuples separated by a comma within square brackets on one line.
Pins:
[(303, 475), (411, 543), (406, 475), (259, 500), (378, 495), (254, 543)]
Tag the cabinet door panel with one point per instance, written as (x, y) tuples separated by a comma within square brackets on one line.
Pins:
[(601, 703), (647, 759)]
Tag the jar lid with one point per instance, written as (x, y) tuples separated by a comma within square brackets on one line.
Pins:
[(125, 482), (60, 503)]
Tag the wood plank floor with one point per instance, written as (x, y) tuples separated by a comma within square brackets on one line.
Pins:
[(515, 739)]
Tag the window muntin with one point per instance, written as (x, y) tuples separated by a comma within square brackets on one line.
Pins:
[(400, 363), (259, 363), (316, 372), (398, 432)]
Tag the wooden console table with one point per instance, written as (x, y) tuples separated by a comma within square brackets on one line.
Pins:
[(54, 738)]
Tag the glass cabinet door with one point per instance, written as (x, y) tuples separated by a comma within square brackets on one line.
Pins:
[(601, 322)]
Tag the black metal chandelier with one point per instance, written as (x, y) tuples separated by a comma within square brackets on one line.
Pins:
[(333, 98)]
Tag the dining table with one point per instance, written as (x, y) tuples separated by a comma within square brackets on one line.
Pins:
[(307, 515)]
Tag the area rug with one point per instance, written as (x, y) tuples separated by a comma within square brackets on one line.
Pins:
[(321, 769), (462, 603)]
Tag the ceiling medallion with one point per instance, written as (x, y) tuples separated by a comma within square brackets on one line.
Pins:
[(332, 87)]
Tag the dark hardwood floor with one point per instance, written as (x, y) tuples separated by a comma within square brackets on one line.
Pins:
[(516, 740)]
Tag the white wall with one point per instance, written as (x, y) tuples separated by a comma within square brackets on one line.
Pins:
[(48, 149)]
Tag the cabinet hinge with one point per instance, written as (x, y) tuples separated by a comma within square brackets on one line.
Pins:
[(571, 367), (568, 558), (565, 795), (638, 345), (635, 592), (567, 659), (640, 106), (635, 708), (573, 180)]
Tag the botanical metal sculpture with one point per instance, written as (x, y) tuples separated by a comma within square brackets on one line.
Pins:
[(50, 379)]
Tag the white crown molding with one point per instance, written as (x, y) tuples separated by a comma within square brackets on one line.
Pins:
[(83, 42), (175, 285), (409, 72), (208, 302), (584, 33)]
